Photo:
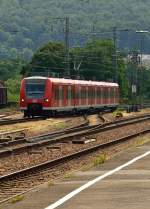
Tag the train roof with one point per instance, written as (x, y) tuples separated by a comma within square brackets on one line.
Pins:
[(70, 81)]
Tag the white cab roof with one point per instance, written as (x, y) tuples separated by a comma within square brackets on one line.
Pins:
[(77, 82)]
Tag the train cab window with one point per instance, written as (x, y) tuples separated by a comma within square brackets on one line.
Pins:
[(35, 88)]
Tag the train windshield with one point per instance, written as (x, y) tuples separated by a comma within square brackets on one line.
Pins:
[(35, 89)]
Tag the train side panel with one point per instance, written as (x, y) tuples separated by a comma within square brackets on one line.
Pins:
[(68, 95)]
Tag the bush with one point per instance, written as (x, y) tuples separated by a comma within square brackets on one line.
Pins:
[(13, 86)]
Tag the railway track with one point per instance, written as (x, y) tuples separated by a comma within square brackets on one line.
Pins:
[(20, 143), (26, 144), (8, 121), (22, 181)]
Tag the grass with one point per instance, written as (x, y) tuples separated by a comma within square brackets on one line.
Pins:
[(8, 109), (68, 175), (87, 167), (50, 184), (100, 160), (117, 113), (13, 97), (60, 125), (142, 141), (18, 198)]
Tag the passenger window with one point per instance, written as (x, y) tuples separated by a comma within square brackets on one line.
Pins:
[(69, 94), (56, 93)]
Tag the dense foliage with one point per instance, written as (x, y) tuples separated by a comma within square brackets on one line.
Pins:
[(94, 61), (25, 25), (13, 88)]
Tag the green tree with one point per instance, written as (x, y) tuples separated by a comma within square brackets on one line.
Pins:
[(50, 58), (10, 68), (97, 62), (13, 87)]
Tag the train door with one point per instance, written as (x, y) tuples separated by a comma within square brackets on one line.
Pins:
[(55, 102), (116, 95), (90, 95), (65, 90), (110, 93), (75, 95), (100, 96), (105, 95), (86, 96), (83, 95), (109, 98), (60, 96), (70, 96), (96, 96), (79, 96)]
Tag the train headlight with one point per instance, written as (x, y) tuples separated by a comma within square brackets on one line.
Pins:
[(46, 100), (22, 100)]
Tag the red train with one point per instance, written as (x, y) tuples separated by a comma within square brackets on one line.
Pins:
[(47, 96)]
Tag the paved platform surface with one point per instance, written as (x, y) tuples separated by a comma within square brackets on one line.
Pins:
[(129, 188)]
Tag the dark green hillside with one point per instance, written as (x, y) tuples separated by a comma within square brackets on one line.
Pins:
[(26, 24)]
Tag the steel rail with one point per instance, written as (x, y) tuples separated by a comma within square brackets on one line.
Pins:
[(19, 120), (7, 144), (35, 171), (66, 135)]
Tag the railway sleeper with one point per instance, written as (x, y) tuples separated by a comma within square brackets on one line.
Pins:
[(54, 147)]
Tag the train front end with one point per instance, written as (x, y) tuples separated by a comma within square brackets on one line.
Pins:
[(35, 96)]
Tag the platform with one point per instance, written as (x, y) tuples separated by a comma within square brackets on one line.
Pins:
[(128, 188)]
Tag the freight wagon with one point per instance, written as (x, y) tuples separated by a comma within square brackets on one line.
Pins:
[(3, 94)]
